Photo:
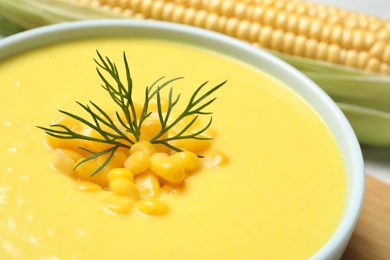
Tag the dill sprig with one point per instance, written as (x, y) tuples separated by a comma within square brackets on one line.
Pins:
[(121, 94)]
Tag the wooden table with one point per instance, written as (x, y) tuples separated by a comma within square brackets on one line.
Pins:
[(371, 238)]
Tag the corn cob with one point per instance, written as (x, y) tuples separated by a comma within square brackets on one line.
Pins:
[(294, 27), (297, 28), (345, 53)]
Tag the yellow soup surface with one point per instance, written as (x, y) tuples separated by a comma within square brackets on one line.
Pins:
[(280, 196)]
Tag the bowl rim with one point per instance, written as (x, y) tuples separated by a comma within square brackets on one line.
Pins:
[(297, 81)]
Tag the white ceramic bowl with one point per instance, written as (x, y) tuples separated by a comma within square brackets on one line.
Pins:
[(326, 108)]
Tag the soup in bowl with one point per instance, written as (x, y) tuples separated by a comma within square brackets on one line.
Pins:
[(265, 166)]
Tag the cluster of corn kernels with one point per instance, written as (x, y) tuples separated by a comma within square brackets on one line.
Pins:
[(134, 177)]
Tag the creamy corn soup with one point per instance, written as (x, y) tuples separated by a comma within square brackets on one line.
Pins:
[(279, 196)]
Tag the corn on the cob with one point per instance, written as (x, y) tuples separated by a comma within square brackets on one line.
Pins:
[(345, 53), (293, 27)]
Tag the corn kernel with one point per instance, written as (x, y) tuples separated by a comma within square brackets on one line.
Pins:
[(188, 160), (150, 128), (138, 110), (147, 183), (117, 160), (87, 186), (143, 145), (167, 168), (72, 154), (126, 187), (54, 142), (153, 106), (152, 207), (185, 121), (193, 145), (118, 204), (173, 188), (98, 146), (86, 169), (70, 122), (214, 159), (62, 162), (138, 162), (161, 148), (120, 173)]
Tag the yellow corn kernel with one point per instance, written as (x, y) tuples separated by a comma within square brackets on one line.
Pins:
[(377, 49), (98, 146), (166, 168), (153, 106), (120, 173), (161, 148), (116, 161), (214, 159), (147, 183), (86, 169), (372, 65), (152, 207), (173, 188), (61, 162), (72, 154), (71, 144), (71, 123), (126, 187), (145, 146), (185, 121), (191, 144), (118, 204), (188, 160), (87, 186), (138, 162), (120, 127), (131, 137), (138, 110), (150, 128)]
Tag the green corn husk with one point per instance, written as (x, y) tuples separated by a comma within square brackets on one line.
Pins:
[(30, 14), (363, 97), (7, 27), (343, 84), (370, 125)]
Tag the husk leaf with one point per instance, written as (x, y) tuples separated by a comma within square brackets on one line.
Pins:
[(371, 126)]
